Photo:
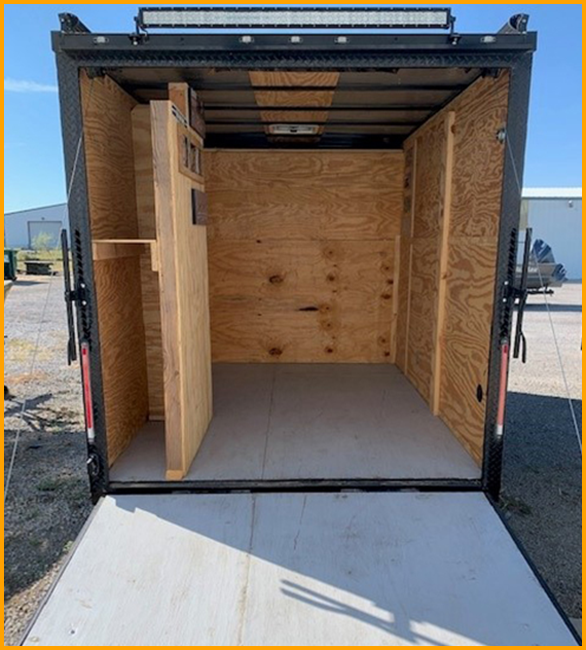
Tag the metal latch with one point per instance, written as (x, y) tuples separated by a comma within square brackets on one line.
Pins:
[(519, 294), (71, 296)]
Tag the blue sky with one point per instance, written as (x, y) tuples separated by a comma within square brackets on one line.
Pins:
[(33, 162)]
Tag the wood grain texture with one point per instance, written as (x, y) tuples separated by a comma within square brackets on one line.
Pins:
[(179, 95), (302, 254), (109, 158), (405, 255), (264, 96), (122, 350), (184, 300), (151, 313), (473, 242), (396, 299), (147, 228), (304, 195), (111, 249), (469, 304), (302, 301), (289, 78), (481, 110), (427, 213), (108, 149), (447, 164), (479, 159), (466, 284), (422, 302), (143, 171)]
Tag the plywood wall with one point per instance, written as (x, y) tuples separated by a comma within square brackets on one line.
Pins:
[(108, 150), (451, 217), (302, 254), (151, 302), (184, 297), (472, 253)]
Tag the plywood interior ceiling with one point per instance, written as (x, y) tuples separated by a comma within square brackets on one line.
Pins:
[(273, 102)]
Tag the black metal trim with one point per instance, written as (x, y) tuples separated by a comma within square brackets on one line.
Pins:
[(275, 51), (259, 122), (535, 570), (295, 485), (516, 134), (331, 11), (216, 108), (341, 87), (79, 227), (342, 140)]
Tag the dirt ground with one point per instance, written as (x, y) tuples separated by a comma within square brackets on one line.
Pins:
[(48, 500), (542, 483)]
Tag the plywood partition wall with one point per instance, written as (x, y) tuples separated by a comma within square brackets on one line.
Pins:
[(184, 291), (302, 254), (147, 230), (453, 186), (109, 160)]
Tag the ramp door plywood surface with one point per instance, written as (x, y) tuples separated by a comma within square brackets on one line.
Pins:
[(298, 569), (297, 421)]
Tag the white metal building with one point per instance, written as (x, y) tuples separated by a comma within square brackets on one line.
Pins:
[(22, 229), (555, 214)]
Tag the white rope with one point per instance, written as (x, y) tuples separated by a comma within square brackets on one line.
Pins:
[(40, 327), (560, 359), (550, 317)]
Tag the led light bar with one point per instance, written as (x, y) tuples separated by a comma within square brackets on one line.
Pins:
[(293, 18)]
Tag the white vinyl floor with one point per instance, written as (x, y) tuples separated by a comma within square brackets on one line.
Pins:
[(297, 421), (368, 569)]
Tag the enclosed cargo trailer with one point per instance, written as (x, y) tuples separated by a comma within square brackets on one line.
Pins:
[(293, 263)]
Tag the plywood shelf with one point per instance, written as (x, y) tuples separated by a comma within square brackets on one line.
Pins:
[(108, 249)]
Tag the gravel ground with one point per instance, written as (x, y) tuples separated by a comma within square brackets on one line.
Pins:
[(48, 498), (48, 501), (542, 487)]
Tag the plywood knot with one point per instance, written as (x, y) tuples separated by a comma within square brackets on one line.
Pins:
[(275, 352), (276, 279)]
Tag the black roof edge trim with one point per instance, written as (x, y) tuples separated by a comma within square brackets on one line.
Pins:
[(178, 44)]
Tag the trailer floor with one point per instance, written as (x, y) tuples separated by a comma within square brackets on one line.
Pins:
[(319, 421), (298, 569)]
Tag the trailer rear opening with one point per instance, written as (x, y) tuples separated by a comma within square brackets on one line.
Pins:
[(316, 275)]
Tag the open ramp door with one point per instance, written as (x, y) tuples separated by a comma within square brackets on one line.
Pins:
[(298, 569)]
